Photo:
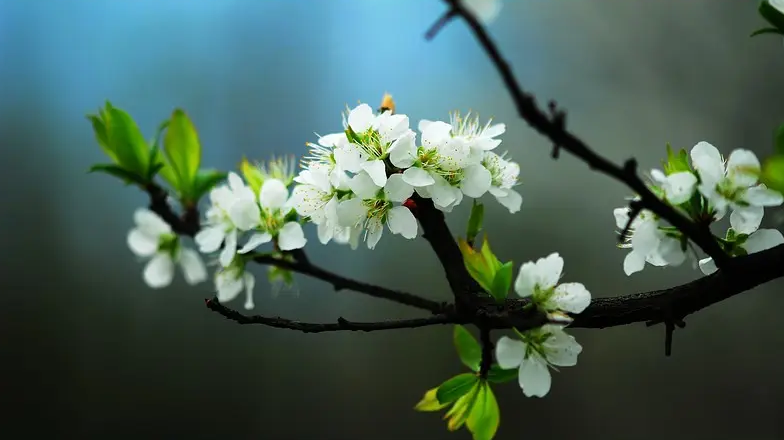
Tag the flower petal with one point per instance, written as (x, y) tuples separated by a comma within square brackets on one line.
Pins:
[(159, 271), (363, 186), (401, 221), (255, 240), (402, 152), (746, 220), (634, 262), (417, 177), (192, 266), (743, 167), (549, 269), (571, 297), (708, 266), (671, 251), (351, 212), (273, 194), (229, 249), (762, 196), (348, 157), (762, 240), (141, 244), (228, 285), (509, 353), (561, 348), (511, 201), (476, 181), (377, 171), (210, 238), (291, 237), (150, 223), (526, 279), (708, 162), (397, 189), (621, 217), (680, 187), (245, 214), (360, 118), (250, 282), (534, 377)]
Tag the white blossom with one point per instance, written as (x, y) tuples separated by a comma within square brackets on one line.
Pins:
[(274, 205), (537, 350), (648, 242), (758, 241), (733, 185), (231, 281), (153, 238), (539, 281), (503, 177), (678, 187)]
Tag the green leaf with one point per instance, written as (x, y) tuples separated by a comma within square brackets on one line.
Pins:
[(771, 14), (126, 141), (767, 30), (773, 172), (468, 348), (502, 281), (475, 221), (460, 411), (204, 181), (485, 415), (119, 172), (183, 151), (676, 163), (429, 402), (456, 387), (499, 375), (494, 263), (101, 135), (778, 140), (252, 175), (476, 265)]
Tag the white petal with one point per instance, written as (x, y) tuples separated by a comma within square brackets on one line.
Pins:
[(228, 285), (363, 186), (377, 171), (229, 249), (746, 220), (442, 192), (708, 266), (396, 189), (511, 201), (348, 158), (526, 279), (494, 130), (391, 127), (534, 377), (192, 266), (561, 348), (671, 251), (486, 11), (250, 282), (159, 271), (434, 132), (742, 166), (333, 140), (680, 187), (245, 214), (273, 194), (235, 182), (418, 177), (150, 223), (401, 221), (210, 238), (645, 238), (360, 118), (291, 237), (761, 196), (549, 269), (763, 239), (141, 244), (476, 181), (571, 297), (509, 353), (255, 240), (708, 162), (374, 232), (621, 217), (402, 152), (351, 212), (634, 262)]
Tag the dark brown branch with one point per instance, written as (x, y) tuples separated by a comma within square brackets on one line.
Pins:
[(553, 128), (341, 325), (188, 224)]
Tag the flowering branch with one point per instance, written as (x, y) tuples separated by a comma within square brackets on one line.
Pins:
[(188, 224), (553, 128), (341, 325)]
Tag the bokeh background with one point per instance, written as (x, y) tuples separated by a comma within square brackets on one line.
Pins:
[(88, 351)]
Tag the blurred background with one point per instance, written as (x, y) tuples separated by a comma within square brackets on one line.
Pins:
[(88, 351)]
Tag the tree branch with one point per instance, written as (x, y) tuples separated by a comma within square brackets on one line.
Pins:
[(341, 325), (188, 224), (553, 128)]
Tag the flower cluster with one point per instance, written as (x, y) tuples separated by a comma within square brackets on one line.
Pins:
[(356, 181), (705, 189), (549, 345)]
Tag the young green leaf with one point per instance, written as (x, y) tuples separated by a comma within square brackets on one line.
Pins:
[(430, 402), (476, 265), (676, 163), (119, 172), (126, 141), (204, 181), (475, 221), (502, 281), (468, 348), (485, 415), (499, 375), (456, 387), (101, 135), (771, 14), (252, 175), (773, 172), (489, 256), (183, 151), (460, 411)]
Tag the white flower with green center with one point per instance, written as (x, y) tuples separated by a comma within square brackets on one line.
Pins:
[(370, 138), (232, 280), (539, 281), (758, 241), (535, 352), (323, 156), (270, 217), (153, 238), (648, 242), (220, 228), (317, 199), (476, 135), (734, 185), (503, 177), (372, 206), (678, 187)]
